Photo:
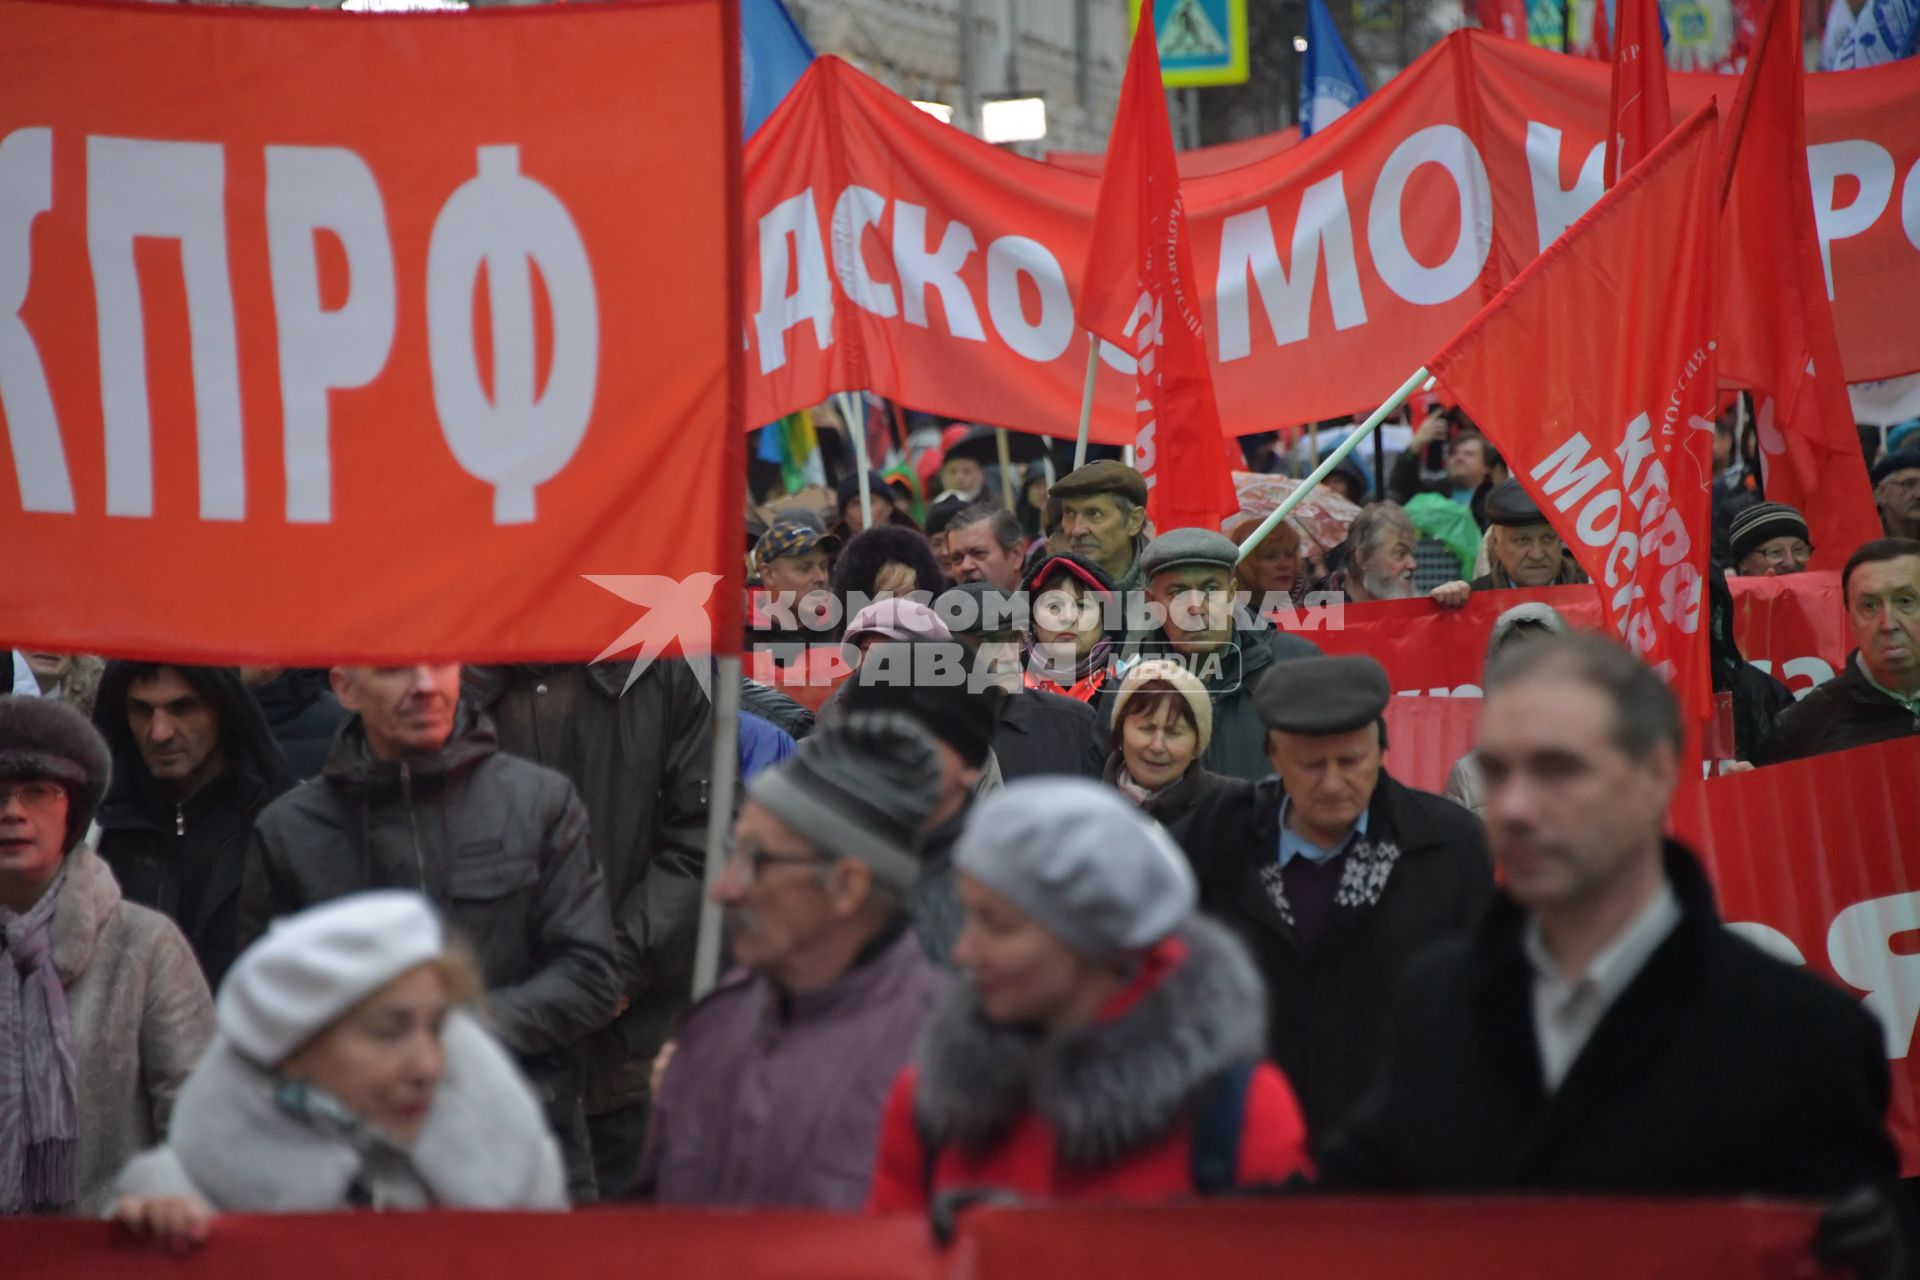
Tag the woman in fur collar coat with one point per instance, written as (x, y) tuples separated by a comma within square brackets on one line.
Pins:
[(345, 1075), (1104, 1042)]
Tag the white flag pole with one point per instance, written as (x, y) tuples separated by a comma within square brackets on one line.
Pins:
[(1420, 378), (849, 402), (726, 769), (1086, 402)]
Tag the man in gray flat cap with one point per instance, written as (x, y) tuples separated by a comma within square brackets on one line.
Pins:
[(1335, 875), (1189, 577), (1103, 508), (774, 1092)]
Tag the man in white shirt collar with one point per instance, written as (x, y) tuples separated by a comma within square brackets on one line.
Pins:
[(1577, 788), (1602, 1032)]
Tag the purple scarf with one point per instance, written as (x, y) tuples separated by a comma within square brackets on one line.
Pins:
[(39, 1101)]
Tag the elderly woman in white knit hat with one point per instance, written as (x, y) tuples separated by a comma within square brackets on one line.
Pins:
[(1161, 722), (345, 1073), (1105, 1040)]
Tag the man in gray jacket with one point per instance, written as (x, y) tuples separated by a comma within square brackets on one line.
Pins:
[(417, 795), (774, 1093)]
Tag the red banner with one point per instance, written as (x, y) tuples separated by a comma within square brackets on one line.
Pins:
[(1311, 1236), (1816, 861), (1617, 452), (326, 337), (1793, 627), (891, 252)]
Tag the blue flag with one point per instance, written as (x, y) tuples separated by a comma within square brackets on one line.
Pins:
[(1330, 84), (773, 56)]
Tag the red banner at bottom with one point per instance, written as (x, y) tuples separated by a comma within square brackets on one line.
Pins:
[(1305, 1236)]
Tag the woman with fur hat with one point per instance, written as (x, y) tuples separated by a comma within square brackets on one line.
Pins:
[(102, 1007), (1104, 1041), (1161, 723), (346, 1073)]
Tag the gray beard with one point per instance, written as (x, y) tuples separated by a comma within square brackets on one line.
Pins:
[(1385, 587)]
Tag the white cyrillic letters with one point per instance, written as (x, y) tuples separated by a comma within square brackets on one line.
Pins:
[(857, 209), (1858, 946), (311, 189), (517, 439), (1451, 149), (175, 190), (1247, 248), (920, 270), (1556, 208), (812, 296), (1871, 166), (33, 429), (1009, 258)]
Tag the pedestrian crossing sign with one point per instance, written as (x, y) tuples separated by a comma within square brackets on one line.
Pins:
[(1201, 41)]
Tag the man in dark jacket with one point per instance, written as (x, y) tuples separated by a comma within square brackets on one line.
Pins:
[(1601, 1031), (193, 766), (1189, 576), (301, 710), (1877, 696), (1335, 875), (418, 795), (641, 757), (905, 677)]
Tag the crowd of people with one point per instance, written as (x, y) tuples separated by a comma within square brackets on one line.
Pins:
[(1083, 881)]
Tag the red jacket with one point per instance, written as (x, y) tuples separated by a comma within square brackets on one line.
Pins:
[(1273, 1147), (1024, 1159)]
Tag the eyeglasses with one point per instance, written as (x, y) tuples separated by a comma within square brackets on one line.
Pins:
[(757, 860), (1792, 553), (33, 795)]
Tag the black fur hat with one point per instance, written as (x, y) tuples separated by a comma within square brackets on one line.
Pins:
[(46, 738)]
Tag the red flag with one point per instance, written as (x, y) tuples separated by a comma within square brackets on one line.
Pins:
[(1637, 104), (1776, 316), (1602, 48), (1593, 371), (1506, 17), (1142, 295)]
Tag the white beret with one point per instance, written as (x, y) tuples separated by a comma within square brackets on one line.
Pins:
[(1081, 861), (314, 966)]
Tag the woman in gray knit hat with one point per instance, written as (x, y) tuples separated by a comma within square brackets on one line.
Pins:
[(1104, 1042)]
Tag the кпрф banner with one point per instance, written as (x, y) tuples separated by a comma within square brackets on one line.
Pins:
[(337, 337)]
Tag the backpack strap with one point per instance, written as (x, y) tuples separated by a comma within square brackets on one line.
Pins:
[(1219, 1114)]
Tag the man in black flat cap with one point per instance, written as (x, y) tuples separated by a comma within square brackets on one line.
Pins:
[(1335, 876), (1524, 550), (1896, 489), (1103, 508)]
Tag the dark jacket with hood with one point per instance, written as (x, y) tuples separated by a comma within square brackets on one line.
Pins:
[(500, 846), (642, 761), (304, 715), (1758, 698), (1422, 874), (1719, 1071), (185, 859), (1238, 748)]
